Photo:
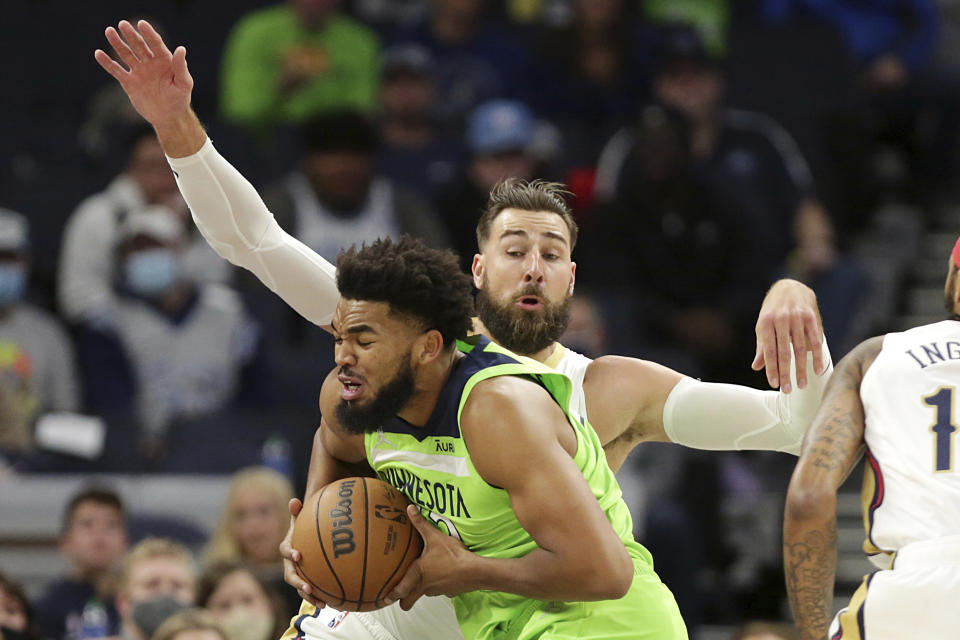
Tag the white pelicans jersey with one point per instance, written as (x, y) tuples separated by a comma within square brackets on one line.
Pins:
[(911, 489), (574, 366)]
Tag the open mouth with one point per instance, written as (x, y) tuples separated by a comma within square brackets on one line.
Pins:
[(530, 303), (351, 388)]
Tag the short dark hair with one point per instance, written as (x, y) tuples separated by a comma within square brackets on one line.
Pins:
[(134, 133), (535, 195), (415, 280), (96, 494), (339, 130)]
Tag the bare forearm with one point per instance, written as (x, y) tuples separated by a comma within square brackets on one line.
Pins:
[(324, 468), (809, 562), (181, 135), (544, 575)]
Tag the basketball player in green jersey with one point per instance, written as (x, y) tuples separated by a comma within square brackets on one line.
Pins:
[(536, 541), (234, 221)]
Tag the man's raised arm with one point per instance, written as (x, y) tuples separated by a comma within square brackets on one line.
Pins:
[(225, 206)]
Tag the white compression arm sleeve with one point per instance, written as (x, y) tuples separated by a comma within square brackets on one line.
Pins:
[(233, 218), (725, 417)]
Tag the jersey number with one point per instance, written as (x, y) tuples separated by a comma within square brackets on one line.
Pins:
[(943, 427), (451, 529)]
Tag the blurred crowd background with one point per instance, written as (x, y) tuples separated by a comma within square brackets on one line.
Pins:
[(710, 147)]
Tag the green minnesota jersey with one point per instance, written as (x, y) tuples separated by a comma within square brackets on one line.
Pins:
[(432, 467)]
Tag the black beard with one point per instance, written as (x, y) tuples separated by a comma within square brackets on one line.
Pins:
[(359, 419), (523, 332)]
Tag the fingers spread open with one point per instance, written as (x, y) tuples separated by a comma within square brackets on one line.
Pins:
[(110, 65), (153, 39), (135, 40), (121, 48)]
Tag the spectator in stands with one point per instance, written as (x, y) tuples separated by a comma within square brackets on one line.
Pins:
[(291, 61), (711, 19), (157, 579), (765, 631), (477, 59), (94, 540), (415, 151), (388, 15), (592, 73), (242, 603), (177, 356), (683, 246), (192, 624), (37, 369), (893, 40), (756, 157), (87, 269), (336, 198), (500, 140), (17, 617), (906, 113), (252, 525)]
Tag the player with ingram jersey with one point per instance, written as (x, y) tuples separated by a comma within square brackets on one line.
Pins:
[(894, 397), (642, 401)]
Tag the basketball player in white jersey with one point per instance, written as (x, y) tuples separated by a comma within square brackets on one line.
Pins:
[(525, 266), (895, 397)]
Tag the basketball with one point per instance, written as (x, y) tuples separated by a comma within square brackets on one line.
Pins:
[(356, 542)]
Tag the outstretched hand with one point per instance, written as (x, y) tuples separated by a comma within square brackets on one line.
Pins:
[(441, 569), (789, 315), (157, 82)]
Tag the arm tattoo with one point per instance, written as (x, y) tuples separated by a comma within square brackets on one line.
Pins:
[(834, 444), (809, 565)]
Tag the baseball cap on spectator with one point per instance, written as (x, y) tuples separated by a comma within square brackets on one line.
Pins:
[(14, 232), (680, 45), (156, 222), (407, 59), (500, 125)]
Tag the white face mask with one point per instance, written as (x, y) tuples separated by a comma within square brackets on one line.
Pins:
[(151, 272), (244, 624)]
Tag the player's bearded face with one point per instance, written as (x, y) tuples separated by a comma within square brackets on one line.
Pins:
[(524, 331), (367, 416)]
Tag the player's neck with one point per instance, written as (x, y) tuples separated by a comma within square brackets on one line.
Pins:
[(539, 356), (544, 354), (429, 385)]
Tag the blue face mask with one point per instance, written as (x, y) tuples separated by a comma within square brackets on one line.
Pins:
[(13, 283), (151, 272)]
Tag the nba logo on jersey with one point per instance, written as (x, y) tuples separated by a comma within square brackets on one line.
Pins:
[(335, 622)]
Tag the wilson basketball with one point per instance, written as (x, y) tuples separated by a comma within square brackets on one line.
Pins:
[(356, 542)]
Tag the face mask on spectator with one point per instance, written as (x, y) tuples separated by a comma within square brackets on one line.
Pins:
[(150, 614), (243, 624), (13, 282), (151, 272)]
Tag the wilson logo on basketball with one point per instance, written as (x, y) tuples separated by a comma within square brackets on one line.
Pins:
[(341, 518), (388, 512)]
